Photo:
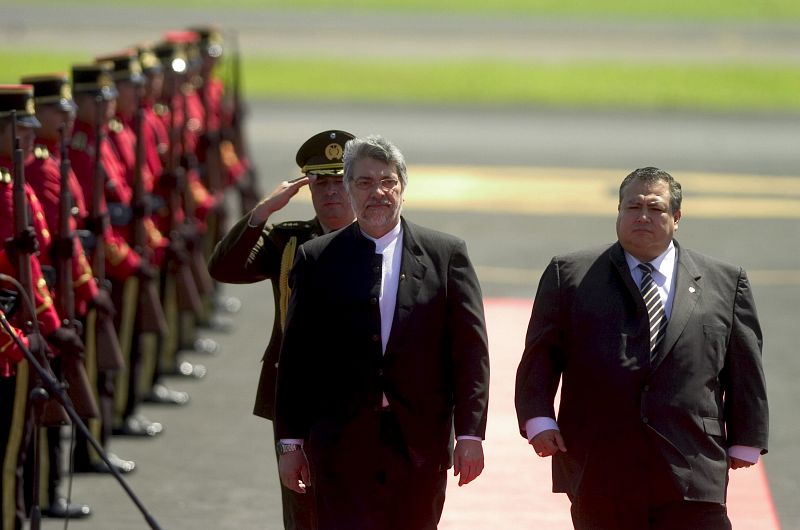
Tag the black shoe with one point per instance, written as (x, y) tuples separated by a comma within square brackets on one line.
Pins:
[(228, 304), (218, 323), (166, 396), (59, 509), (187, 369), (138, 425), (206, 345), (122, 466)]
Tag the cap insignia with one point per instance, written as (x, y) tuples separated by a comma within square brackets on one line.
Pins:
[(334, 152)]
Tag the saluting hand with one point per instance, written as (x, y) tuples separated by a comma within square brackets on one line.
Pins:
[(467, 461), (548, 443), (276, 200), (294, 472)]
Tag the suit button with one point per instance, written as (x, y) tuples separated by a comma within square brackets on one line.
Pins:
[(646, 388), (645, 420), (380, 371), (373, 300), (376, 269), (376, 338)]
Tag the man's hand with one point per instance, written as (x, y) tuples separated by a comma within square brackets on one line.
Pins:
[(294, 472), (467, 461), (738, 463), (66, 341), (276, 200), (25, 242), (102, 302), (548, 443)]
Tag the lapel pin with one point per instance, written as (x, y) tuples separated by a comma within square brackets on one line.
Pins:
[(691, 289)]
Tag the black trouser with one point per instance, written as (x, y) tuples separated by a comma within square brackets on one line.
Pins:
[(378, 488)]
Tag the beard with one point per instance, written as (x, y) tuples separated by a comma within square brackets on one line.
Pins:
[(380, 217)]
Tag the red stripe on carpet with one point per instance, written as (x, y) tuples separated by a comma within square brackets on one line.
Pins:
[(514, 489)]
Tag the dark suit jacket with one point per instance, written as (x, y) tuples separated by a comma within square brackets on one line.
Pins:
[(252, 254), (702, 393), (435, 371)]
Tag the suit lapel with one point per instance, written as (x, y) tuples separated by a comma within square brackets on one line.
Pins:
[(412, 273), (687, 293), (617, 256)]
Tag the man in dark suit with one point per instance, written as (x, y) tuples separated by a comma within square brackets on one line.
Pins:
[(658, 350), (397, 357), (255, 250)]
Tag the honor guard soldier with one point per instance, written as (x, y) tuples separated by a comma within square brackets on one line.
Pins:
[(255, 250), (105, 188), (127, 136), (55, 110), (17, 416), (187, 285)]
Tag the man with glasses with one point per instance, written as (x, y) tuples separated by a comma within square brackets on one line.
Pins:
[(255, 250), (367, 403)]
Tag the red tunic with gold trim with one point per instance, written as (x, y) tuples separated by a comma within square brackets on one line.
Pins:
[(43, 174), (9, 350), (121, 260), (123, 139), (202, 200), (220, 117)]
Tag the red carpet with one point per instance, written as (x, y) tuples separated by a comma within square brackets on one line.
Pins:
[(514, 490)]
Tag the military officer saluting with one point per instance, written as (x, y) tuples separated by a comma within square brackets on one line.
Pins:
[(255, 250)]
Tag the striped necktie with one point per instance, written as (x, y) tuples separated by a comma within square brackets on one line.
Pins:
[(655, 309)]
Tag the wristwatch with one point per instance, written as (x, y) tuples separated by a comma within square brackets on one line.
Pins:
[(284, 448)]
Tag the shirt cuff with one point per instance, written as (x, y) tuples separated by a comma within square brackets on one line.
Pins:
[(468, 437), (539, 424), (743, 452), (295, 441)]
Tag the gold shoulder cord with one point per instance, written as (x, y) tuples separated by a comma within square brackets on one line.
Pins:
[(287, 259)]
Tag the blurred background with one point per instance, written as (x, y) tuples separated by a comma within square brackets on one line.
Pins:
[(518, 119)]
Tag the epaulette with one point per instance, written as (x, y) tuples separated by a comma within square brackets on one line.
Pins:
[(114, 125), (5, 176), (79, 141), (160, 109), (295, 226), (41, 152)]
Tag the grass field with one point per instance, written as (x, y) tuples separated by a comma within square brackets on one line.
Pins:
[(725, 88), (660, 9)]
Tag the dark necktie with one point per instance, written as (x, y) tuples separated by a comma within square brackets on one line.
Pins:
[(655, 309)]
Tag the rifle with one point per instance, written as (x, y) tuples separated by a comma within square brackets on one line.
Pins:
[(109, 351), (188, 298), (78, 386), (197, 261), (151, 312), (248, 187), (49, 413)]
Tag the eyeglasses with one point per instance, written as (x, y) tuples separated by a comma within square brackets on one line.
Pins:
[(366, 184)]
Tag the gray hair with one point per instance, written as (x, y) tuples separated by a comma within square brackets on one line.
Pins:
[(651, 175), (376, 147)]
